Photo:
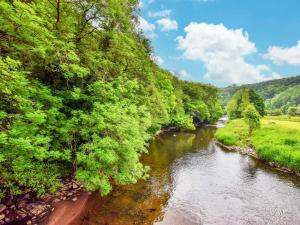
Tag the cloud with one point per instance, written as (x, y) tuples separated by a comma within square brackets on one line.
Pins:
[(157, 59), (162, 13), (141, 4), (167, 24), (146, 27), (276, 76), (183, 74), (279, 55), (223, 52)]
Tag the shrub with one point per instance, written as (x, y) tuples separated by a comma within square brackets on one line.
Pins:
[(294, 111), (274, 112), (251, 117)]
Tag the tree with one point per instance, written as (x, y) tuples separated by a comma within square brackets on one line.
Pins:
[(80, 95), (278, 94), (294, 111), (252, 118), (258, 102), (290, 97), (240, 101)]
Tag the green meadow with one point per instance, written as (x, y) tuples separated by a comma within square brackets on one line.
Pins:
[(277, 140)]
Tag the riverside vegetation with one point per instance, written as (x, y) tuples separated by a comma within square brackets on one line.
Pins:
[(80, 95), (279, 95), (275, 138)]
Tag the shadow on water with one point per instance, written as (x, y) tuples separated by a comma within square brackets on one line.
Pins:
[(194, 182)]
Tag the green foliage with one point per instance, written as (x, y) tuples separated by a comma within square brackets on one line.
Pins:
[(226, 139), (251, 116), (80, 95), (285, 99), (201, 101), (294, 111), (184, 122), (278, 94), (29, 114), (274, 112), (277, 140), (234, 133), (241, 100)]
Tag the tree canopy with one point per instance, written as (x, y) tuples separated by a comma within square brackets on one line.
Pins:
[(279, 94), (81, 96), (241, 100), (285, 99), (251, 116)]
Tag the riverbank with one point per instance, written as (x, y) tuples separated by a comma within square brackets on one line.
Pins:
[(67, 212), (252, 153), (61, 207), (190, 174), (277, 142), (29, 209)]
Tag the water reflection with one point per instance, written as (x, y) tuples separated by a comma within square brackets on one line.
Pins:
[(194, 182)]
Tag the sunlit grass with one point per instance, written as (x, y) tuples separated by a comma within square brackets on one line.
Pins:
[(277, 140), (234, 133), (281, 121)]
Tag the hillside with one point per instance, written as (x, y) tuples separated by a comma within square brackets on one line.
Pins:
[(279, 93)]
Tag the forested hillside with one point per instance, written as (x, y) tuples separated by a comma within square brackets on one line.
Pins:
[(80, 95), (279, 94)]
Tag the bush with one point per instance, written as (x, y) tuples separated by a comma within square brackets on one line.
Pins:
[(294, 111), (226, 139), (251, 117), (274, 112)]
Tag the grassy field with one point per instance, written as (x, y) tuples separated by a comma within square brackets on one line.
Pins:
[(277, 140)]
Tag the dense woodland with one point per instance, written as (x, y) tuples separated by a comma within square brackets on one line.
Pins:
[(80, 95), (279, 95)]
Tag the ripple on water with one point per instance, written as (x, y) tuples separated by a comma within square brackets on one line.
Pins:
[(194, 182)]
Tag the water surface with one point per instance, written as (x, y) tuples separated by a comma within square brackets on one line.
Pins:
[(194, 182)]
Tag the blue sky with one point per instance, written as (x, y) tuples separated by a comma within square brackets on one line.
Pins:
[(224, 41)]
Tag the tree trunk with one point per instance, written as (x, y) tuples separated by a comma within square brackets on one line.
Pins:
[(57, 14)]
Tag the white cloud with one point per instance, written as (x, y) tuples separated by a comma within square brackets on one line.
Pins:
[(276, 76), (223, 52), (183, 74), (281, 55), (151, 1), (162, 13), (147, 28), (141, 4), (157, 59), (167, 24)]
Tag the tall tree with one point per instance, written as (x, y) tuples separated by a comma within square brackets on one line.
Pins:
[(240, 101)]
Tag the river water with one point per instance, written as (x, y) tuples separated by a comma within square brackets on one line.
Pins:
[(193, 181)]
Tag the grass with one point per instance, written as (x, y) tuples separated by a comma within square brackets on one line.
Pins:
[(277, 140)]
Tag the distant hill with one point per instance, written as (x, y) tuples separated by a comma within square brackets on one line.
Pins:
[(279, 93)]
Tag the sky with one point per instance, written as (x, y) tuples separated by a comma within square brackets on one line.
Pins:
[(224, 42)]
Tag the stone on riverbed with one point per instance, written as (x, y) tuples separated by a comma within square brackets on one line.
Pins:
[(74, 186), (2, 208)]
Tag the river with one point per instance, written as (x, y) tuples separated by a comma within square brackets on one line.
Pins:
[(193, 181)]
